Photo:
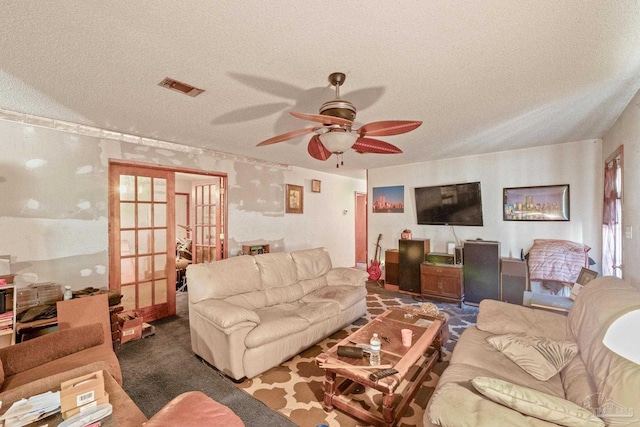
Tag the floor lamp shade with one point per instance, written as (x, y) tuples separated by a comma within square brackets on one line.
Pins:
[(620, 336)]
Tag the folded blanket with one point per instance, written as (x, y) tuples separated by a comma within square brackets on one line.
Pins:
[(557, 260)]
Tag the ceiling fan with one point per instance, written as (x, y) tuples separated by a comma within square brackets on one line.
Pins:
[(335, 135)]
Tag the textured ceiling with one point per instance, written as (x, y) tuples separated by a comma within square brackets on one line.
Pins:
[(484, 76)]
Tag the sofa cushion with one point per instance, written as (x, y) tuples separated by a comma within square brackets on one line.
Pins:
[(597, 305), (276, 322), (194, 409), (311, 285), (311, 263), (472, 350), (460, 405), (276, 269), (344, 276), (248, 300), (317, 312), (539, 356), (284, 294), (536, 404), (492, 315), (345, 296), (577, 383), (222, 279)]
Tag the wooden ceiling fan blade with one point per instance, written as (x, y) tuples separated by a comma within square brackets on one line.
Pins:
[(321, 118), (369, 145), (317, 150), (286, 136), (388, 127)]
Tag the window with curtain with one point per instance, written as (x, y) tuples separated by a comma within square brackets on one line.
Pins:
[(612, 217)]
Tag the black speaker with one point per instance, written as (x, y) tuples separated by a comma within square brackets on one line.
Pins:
[(513, 280), (411, 254), (481, 270)]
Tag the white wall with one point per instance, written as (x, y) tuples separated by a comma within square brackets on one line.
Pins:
[(577, 164), (626, 131), (54, 205)]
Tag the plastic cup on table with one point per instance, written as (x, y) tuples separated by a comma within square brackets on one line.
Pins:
[(407, 335)]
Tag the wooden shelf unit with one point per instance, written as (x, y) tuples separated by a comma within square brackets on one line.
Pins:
[(442, 282), (7, 335)]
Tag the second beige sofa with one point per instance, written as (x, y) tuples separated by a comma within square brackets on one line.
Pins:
[(596, 379)]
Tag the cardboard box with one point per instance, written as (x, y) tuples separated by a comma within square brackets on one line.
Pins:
[(71, 412), (130, 327), (81, 391)]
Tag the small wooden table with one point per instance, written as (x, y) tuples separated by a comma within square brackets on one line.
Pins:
[(429, 334)]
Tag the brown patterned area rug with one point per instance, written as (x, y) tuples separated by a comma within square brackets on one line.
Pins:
[(295, 388)]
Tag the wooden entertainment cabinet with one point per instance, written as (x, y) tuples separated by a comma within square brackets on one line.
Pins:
[(442, 282)]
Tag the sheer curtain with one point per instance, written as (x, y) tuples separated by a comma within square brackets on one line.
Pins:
[(611, 220)]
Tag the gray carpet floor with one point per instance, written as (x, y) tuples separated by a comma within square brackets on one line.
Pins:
[(158, 368)]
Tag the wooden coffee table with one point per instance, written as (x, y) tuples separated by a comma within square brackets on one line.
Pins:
[(428, 338)]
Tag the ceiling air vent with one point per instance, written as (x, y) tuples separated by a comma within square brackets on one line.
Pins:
[(180, 87)]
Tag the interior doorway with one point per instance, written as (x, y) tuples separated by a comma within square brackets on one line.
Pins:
[(152, 222), (361, 230)]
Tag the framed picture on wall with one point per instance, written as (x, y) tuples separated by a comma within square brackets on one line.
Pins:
[(315, 185), (544, 203), (294, 201), (388, 199)]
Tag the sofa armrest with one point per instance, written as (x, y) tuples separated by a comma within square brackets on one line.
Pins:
[(499, 317), (224, 315), (346, 276), (194, 409), (38, 351)]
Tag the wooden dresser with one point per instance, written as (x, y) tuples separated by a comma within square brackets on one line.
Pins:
[(442, 282)]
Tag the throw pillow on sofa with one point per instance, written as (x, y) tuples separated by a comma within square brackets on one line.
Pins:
[(541, 357), (536, 403)]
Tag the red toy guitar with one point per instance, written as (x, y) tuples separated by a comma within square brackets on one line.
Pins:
[(374, 269)]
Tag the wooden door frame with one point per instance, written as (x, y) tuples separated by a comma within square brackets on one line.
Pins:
[(366, 226), (170, 214)]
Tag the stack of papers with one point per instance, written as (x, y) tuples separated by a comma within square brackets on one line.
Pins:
[(26, 411)]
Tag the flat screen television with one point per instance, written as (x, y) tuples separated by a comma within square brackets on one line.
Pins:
[(455, 204)]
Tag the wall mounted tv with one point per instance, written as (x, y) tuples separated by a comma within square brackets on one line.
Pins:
[(455, 204)]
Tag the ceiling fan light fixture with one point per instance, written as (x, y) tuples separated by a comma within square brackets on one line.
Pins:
[(338, 142)]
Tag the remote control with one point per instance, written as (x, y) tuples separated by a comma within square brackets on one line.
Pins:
[(382, 374)]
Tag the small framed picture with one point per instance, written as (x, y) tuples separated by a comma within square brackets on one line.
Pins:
[(315, 185), (294, 202), (586, 276)]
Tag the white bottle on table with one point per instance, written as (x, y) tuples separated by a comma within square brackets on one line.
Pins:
[(374, 356)]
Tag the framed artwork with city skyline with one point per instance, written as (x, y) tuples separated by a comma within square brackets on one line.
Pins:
[(388, 199), (544, 203)]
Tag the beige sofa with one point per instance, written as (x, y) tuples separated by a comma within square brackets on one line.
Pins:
[(248, 314), (596, 379)]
